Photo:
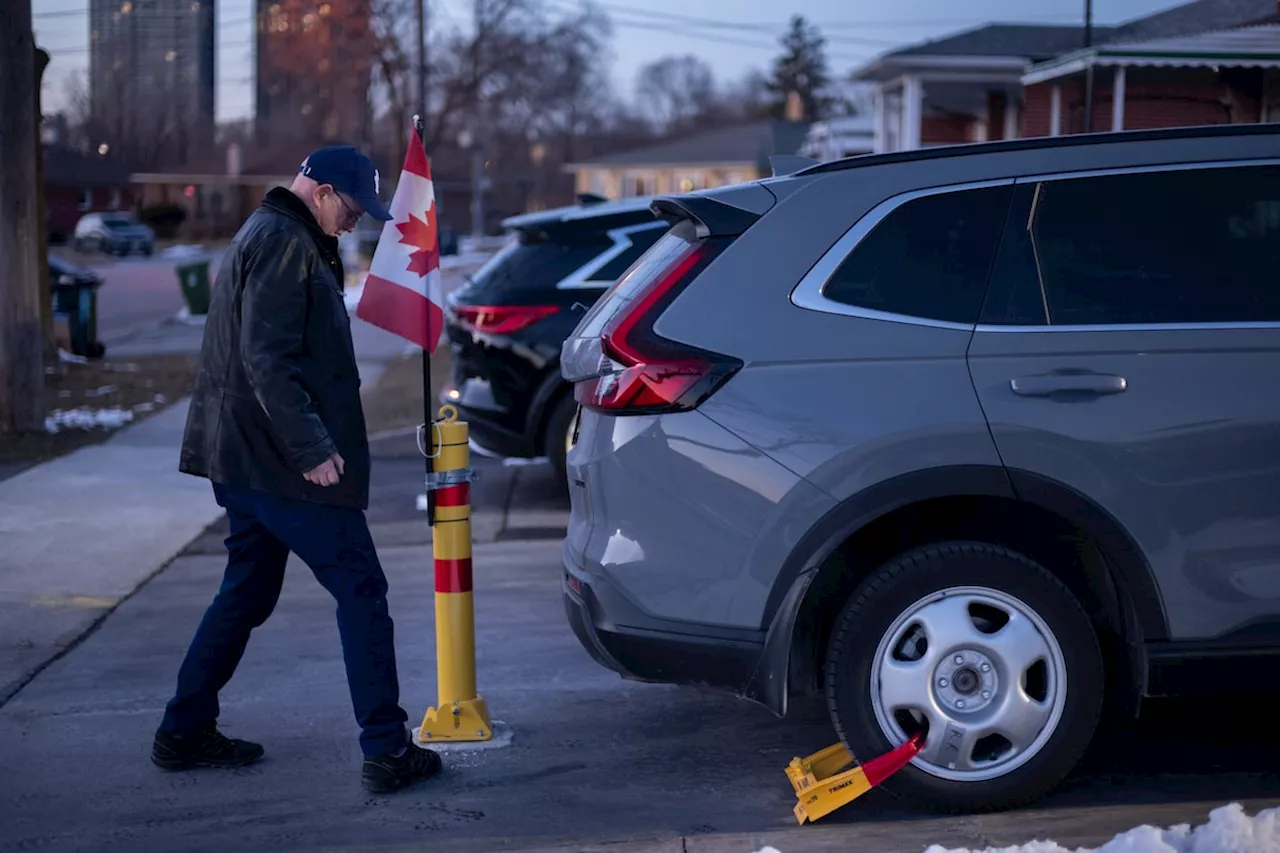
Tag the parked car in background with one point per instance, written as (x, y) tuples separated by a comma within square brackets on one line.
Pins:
[(113, 234), (505, 326), (978, 442)]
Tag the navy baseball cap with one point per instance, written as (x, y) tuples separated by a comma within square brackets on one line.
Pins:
[(349, 171)]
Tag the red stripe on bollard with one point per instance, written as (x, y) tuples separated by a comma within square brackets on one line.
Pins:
[(459, 495), (453, 575)]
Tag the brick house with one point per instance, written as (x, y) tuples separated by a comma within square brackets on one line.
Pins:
[(77, 183), (963, 88), (1217, 77), (997, 81)]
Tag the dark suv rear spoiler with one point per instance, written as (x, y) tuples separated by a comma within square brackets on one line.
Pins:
[(711, 217)]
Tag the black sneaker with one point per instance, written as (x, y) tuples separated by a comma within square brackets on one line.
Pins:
[(383, 774), (205, 748)]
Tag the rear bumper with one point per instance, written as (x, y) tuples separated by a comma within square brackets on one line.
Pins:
[(615, 634)]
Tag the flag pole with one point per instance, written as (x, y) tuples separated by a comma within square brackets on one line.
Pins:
[(427, 419)]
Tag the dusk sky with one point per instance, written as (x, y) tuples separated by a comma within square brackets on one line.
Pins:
[(857, 30)]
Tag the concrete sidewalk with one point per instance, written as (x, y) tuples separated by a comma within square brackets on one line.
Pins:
[(83, 531)]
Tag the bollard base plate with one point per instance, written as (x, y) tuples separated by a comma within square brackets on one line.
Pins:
[(463, 722), (503, 735)]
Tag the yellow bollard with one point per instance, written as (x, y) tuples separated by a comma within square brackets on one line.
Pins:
[(461, 714)]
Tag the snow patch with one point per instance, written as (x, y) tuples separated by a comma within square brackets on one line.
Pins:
[(522, 462), (185, 316), (1229, 830), (184, 250), (86, 418)]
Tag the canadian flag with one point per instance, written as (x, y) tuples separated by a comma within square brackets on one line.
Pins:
[(402, 292)]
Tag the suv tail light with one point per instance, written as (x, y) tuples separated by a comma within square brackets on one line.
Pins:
[(501, 319), (642, 372)]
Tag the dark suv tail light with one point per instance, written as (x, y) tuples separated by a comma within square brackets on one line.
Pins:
[(501, 319), (648, 374)]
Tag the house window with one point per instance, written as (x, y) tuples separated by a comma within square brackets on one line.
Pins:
[(636, 185), (687, 182), (86, 199)]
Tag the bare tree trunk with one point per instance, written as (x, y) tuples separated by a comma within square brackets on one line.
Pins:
[(21, 362), (42, 215)]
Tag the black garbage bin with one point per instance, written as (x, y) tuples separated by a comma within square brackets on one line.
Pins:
[(75, 297)]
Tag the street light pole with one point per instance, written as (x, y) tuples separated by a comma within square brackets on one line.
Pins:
[(422, 66), (21, 330), (479, 123), (477, 189)]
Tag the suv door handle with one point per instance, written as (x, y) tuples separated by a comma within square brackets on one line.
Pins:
[(1053, 383)]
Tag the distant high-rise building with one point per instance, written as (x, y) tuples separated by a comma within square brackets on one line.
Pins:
[(152, 78), (315, 65)]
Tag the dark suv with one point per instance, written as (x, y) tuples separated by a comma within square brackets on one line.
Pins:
[(507, 323)]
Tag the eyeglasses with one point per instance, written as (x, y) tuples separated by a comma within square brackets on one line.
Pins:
[(353, 216)]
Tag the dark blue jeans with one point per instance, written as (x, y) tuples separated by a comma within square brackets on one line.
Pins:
[(336, 545)]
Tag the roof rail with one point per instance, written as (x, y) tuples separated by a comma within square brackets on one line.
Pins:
[(1044, 142)]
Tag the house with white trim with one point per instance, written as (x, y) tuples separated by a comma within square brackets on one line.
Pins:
[(998, 81)]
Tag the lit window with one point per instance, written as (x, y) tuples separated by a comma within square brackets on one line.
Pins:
[(127, 7), (324, 9), (170, 55)]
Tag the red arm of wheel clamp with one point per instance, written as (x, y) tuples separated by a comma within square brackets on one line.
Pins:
[(878, 769)]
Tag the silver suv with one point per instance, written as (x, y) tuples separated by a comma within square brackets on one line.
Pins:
[(980, 441)]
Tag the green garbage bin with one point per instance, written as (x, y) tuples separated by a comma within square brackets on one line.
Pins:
[(76, 299), (193, 278)]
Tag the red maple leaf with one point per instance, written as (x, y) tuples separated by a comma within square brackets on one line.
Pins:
[(420, 234)]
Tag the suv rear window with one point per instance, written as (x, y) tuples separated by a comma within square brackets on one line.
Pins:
[(529, 263), (928, 258)]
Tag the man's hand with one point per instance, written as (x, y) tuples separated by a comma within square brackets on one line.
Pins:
[(327, 472)]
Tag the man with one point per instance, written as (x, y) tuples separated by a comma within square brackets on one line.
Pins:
[(276, 425)]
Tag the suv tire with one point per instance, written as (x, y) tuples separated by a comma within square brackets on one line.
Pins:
[(556, 435), (1048, 623)]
